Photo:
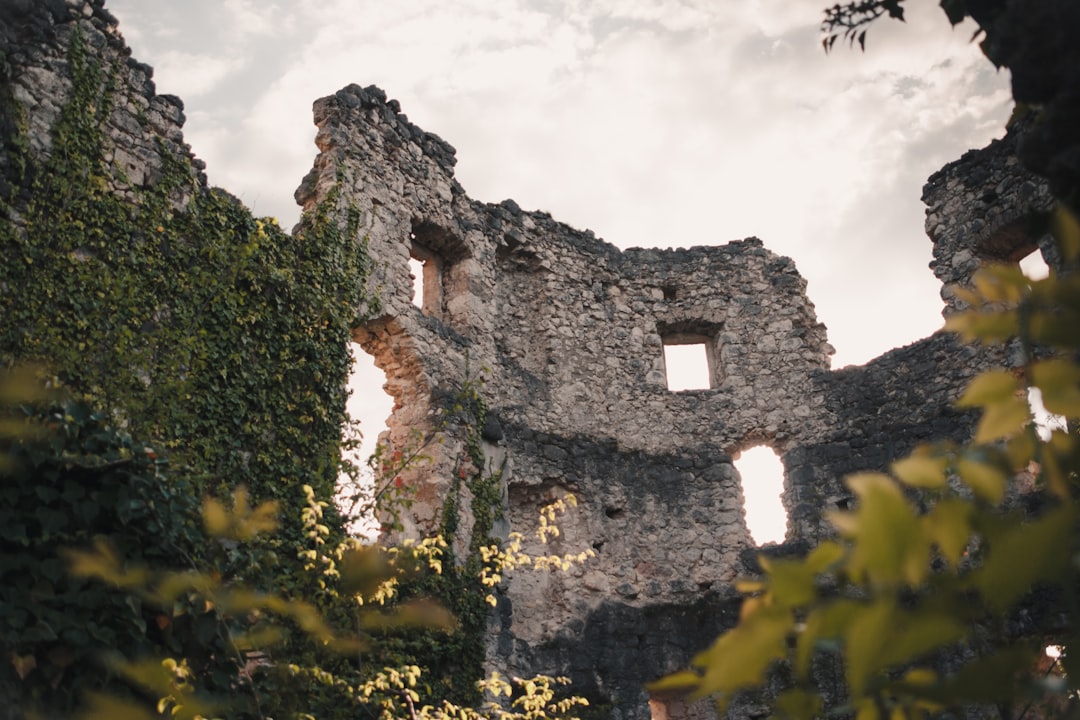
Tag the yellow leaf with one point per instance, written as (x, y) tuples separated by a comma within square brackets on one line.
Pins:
[(106, 707), (1020, 451), (1059, 381), (990, 387), (1024, 554), (921, 471), (865, 640), (215, 517), (823, 624), (1003, 420), (740, 657), (24, 664), (798, 705), (889, 546), (1067, 232), (985, 479), (948, 526), (748, 587), (791, 583), (1001, 282), (823, 556), (684, 681), (867, 710)]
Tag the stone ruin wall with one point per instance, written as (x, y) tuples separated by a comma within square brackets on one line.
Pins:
[(570, 331), (35, 38)]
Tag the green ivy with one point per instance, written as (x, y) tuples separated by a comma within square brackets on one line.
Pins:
[(74, 481), (453, 661), (212, 335), (217, 334)]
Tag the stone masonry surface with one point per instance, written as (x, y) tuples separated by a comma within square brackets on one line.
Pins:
[(568, 335), (570, 332)]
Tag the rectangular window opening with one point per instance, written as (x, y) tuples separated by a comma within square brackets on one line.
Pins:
[(1034, 266), (426, 268), (687, 366), (416, 269)]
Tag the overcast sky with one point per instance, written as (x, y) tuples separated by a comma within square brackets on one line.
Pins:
[(665, 123)]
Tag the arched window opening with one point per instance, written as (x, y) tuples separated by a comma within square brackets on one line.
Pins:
[(368, 408), (687, 366), (762, 476), (1034, 266)]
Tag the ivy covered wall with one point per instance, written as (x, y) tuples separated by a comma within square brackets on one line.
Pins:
[(199, 348), (157, 299)]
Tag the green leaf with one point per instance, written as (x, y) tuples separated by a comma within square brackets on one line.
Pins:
[(1024, 554)]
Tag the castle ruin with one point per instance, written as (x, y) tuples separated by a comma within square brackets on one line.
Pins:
[(568, 334)]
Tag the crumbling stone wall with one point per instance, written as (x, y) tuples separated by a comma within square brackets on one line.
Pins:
[(571, 333), (568, 333), (984, 207), (142, 126)]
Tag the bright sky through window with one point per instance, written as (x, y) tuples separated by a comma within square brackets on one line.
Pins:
[(1034, 267), (416, 267), (687, 367), (763, 484)]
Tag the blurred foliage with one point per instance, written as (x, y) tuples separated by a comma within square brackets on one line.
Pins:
[(169, 308), (947, 583), (954, 586), (122, 596)]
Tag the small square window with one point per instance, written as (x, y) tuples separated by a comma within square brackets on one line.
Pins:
[(1034, 266), (687, 367)]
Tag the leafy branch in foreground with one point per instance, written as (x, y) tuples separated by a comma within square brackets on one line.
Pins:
[(945, 586), (852, 19)]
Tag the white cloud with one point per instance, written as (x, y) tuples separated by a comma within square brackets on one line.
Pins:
[(652, 122), (190, 75)]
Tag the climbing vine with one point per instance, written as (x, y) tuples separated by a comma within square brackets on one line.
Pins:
[(174, 310), (174, 324)]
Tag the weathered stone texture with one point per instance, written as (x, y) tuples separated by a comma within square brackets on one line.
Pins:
[(983, 207), (570, 331), (35, 42)]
